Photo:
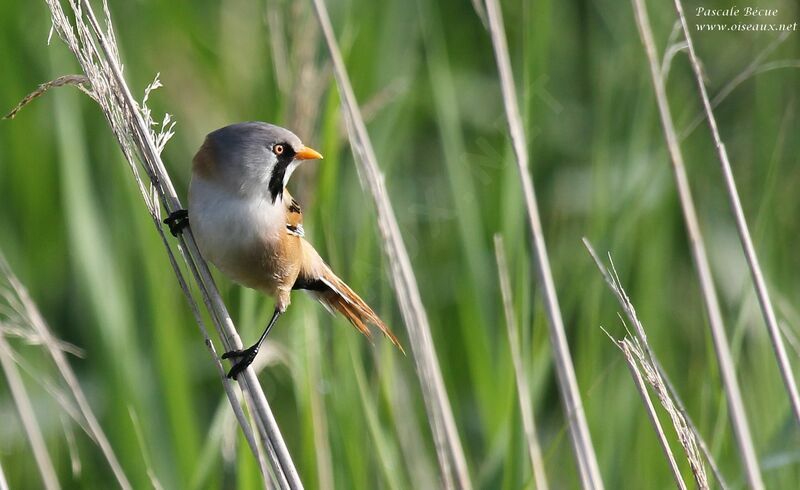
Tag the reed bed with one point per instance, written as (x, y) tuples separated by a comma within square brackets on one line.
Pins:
[(435, 122)]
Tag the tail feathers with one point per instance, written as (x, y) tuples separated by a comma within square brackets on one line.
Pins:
[(339, 297)]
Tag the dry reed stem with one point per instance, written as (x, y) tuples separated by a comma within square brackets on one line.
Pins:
[(446, 440), (673, 393), (132, 127), (148, 464), (228, 388), (146, 142), (784, 365), (641, 359), (627, 348), (701, 443), (72, 448), (319, 417), (76, 80), (523, 395), (755, 67), (733, 394), (3, 482), (420, 468), (28, 417), (568, 384), (32, 338), (31, 315), (58, 396)]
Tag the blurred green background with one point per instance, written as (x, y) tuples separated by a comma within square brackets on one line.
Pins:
[(73, 227)]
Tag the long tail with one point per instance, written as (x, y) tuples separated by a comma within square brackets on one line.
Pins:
[(338, 296)]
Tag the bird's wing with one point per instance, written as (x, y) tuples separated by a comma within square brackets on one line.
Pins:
[(294, 215)]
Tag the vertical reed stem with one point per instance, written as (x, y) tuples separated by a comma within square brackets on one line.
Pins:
[(28, 417), (568, 384), (50, 342), (96, 50), (523, 393), (784, 365), (733, 394), (641, 387), (440, 414)]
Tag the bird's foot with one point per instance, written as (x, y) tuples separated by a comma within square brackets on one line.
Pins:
[(177, 221), (245, 356)]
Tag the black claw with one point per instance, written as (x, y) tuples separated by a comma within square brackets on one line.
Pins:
[(247, 357), (177, 221), (232, 354)]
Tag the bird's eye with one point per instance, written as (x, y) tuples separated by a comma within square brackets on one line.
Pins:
[(278, 149)]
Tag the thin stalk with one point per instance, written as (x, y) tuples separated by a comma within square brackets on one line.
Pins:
[(72, 447), (701, 442), (3, 482), (322, 444), (523, 395), (64, 402), (418, 465), (640, 357), (28, 417), (759, 283), (756, 66), (733, 393), (673, 393), (651, 413), (226, 385), (148, 462), (268, 429), (384, 454), (440, 414), (567, 382), (38, 324)]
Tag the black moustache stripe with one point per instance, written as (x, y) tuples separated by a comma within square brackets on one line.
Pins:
[(275, 185)]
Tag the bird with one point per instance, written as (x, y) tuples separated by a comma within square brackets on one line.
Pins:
[(249, 226)]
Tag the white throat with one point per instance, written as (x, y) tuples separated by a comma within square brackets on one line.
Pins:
[(289, 170)]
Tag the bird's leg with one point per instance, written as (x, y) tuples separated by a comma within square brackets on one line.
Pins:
[(177, 221), (247, 356)]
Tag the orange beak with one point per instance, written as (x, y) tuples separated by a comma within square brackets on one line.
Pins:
[(307, 153)]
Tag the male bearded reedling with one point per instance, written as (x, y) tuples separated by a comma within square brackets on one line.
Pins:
[(246, 223)]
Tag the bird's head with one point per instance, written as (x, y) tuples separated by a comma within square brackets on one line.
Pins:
[(252, 158)]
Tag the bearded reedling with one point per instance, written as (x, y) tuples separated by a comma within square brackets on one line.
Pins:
[(247, 224)]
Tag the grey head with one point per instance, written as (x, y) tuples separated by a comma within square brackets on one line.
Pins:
[(254, 158)]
